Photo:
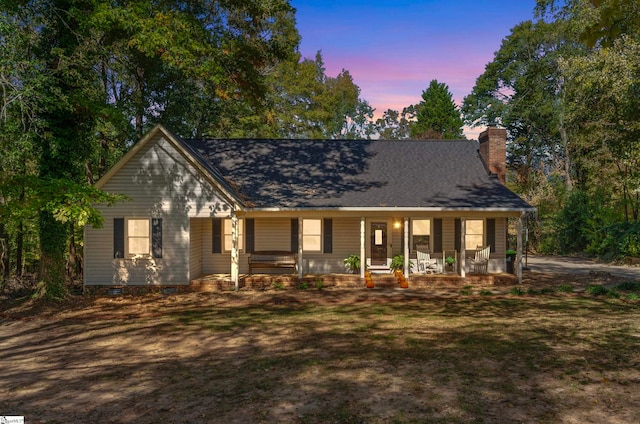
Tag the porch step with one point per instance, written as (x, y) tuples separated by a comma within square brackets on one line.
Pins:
[(379, 269)]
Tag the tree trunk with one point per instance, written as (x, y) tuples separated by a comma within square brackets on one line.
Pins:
[(19, 248), (53, 239), (5, 254)]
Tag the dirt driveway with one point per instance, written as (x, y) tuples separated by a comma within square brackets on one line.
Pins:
[(580, 265)]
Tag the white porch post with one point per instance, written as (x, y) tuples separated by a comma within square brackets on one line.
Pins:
[(518, 263), (463, 242), (406, 247), (363, 247), (300, 261), (235, 269)]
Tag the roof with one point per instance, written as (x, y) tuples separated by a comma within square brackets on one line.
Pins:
[(292, 174)]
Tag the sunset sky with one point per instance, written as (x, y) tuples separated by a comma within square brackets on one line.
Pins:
[(394, 48)]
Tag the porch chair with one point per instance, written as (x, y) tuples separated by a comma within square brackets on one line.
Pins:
[(480, 261), (425, 263)]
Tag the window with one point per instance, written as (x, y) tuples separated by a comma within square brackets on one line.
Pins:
[(138, 237), (312, 235), (474, 235), (227, 235), (421, 232)]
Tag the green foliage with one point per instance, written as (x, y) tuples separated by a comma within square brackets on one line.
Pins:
[(466, 291), (485, 292), (303, 285), (619, 240), (319, 284), (565, 288), (352, 262), (596, 290), (629, 286), (397, 263), (437, 116), (517, 291)]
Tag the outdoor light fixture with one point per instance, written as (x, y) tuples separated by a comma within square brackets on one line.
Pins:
[(397, 224)]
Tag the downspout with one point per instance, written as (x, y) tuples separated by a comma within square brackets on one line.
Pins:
[(300, 261), (519, 249), (463, 243), (363, 250), (235, 271), (406, 247)]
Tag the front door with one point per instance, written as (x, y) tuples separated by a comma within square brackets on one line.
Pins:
[(378, 243)]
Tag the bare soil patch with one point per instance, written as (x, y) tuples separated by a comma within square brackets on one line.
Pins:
[(441, 355)]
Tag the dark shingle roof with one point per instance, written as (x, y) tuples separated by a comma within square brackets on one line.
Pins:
[(356, 173)]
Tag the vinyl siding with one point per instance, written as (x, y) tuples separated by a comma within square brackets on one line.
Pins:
[(195, 248), (160, 183)]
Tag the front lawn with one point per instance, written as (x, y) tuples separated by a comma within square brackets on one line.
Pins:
[(311, 356)]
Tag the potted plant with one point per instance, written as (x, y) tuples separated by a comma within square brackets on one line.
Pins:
[(511, 259), (449, 261), (352, 263), (397, 263)]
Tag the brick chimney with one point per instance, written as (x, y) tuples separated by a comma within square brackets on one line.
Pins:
[(493, 150)]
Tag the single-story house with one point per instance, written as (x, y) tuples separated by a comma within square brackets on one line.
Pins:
[(200, 207)]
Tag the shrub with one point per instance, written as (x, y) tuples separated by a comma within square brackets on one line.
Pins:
[(486, 292), (565, 288), (517, 291), (596, 290), (629, 286)]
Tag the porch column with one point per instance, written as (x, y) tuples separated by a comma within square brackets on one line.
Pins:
[(235, 271), (363, 247), (518, 263), (406, 247), (300, 261), (463, 243)]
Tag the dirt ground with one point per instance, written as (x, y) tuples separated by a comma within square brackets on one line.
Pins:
[(441, 355)]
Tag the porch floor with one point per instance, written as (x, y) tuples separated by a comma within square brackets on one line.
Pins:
[(214, 282)]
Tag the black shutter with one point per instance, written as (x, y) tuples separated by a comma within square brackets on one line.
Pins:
[(250, 234), (328, 235), (156, 237), (491, 234), (456, 234), (437, 235), (118, 237), (217, 236), (294, 235)]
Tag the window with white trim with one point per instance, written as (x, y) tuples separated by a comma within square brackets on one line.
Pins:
[(312, 235), (138, 237), (474, 233), (421, 233), (227, 231)]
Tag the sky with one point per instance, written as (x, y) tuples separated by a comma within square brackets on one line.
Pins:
[(393, 49)]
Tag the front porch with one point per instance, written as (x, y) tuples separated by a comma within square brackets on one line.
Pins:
[(216, 282)]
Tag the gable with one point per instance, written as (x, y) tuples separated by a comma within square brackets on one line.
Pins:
[(158, 177)]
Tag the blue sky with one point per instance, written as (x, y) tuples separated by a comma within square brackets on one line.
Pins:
[(394, 48)]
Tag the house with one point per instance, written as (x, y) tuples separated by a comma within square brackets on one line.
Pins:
[(203, 206)]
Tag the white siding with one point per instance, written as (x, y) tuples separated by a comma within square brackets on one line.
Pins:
[(195, 248), (160, 183), (273, 234)]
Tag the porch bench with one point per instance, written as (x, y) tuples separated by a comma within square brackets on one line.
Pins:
[(270, 259)]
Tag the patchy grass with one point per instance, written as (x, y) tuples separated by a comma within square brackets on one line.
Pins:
[(316, 356)]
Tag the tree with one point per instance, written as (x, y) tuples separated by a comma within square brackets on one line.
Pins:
[(303, 102), (395, 125), (437, 116), (85, 79)]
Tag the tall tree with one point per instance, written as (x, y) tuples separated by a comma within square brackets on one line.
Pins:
[(437, 116), (100, 73)]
